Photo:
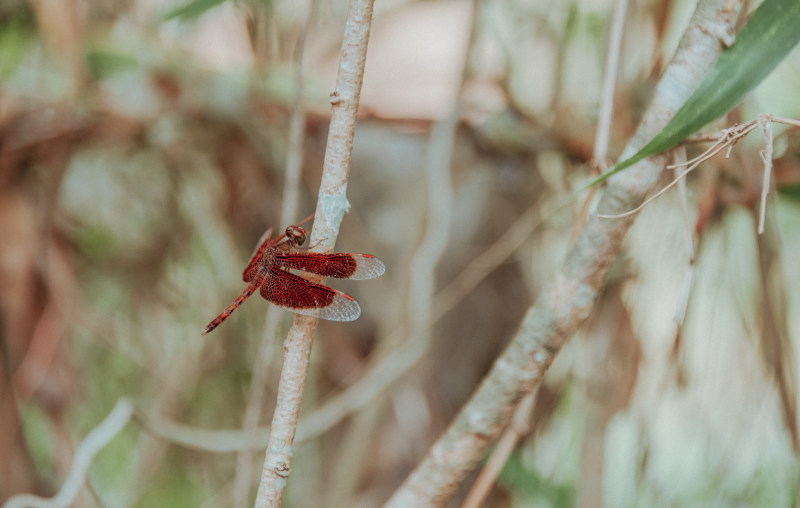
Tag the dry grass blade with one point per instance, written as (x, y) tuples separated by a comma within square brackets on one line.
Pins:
[(726, 140), (766, 157)]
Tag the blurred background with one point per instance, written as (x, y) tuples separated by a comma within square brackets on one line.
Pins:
[(142, 155)]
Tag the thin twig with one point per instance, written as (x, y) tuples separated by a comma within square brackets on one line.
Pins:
[(440, 205), (788, 121), (680, 158), (776, 345), (331, 207), (91, 445), (599, 163), (297, 125), (682, 303), (606, 112), (766, 157), (727, 139), (519, 426)]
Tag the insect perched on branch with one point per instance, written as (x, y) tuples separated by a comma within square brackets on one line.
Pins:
[(269, 272)]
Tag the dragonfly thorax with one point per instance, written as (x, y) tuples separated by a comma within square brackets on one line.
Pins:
[(296, 234)]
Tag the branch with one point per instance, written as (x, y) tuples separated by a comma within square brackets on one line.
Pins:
[(331, 206), (568, 299), (91, 445)]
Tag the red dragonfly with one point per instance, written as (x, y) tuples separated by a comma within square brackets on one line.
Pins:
[(269, 272)]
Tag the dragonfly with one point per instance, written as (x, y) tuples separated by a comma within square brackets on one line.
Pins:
[(269, 272)]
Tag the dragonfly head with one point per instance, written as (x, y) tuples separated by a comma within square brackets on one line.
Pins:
[(296, 234)]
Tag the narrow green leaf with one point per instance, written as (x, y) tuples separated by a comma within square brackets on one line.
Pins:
[(770, 34), (790, 191), (104, 62), (16, 36), (192, 9)]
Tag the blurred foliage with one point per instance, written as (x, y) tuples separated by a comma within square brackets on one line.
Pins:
[(192, 10), (534, 490), (142, 158), (16, 36), (39, 439), (103, 63)]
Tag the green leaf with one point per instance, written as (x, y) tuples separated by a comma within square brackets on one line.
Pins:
[(16, 36), (192, 9), (770, 34), (103, 63), (790, 191)]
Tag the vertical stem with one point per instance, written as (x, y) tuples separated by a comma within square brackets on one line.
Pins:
[(609, 83), (277, 464), (331, 206)]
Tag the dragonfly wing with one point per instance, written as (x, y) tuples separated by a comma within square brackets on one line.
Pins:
[(264, 243), (300, 295), (342, 265)]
